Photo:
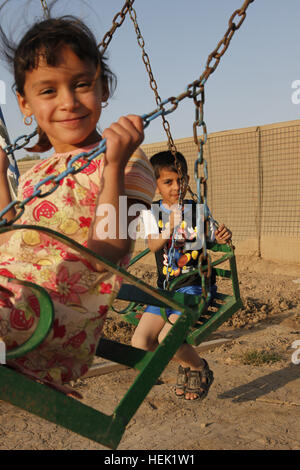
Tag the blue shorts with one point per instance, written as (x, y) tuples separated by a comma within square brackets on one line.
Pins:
[(192, 290)]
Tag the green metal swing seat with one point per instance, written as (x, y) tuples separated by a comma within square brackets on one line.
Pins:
[(211, 316), (70, 413)]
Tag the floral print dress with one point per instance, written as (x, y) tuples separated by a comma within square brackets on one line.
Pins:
[(81, 296)]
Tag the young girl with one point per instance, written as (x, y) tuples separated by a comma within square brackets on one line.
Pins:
[(62, 82)]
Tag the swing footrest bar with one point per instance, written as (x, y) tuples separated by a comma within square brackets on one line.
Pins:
[(121, 353), (217, 319)]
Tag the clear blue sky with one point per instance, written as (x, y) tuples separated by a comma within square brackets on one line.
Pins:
[(251, 86)]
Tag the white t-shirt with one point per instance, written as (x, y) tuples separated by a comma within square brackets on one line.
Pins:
[(149, 220)]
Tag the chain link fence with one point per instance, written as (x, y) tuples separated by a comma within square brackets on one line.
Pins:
[(253, 186)]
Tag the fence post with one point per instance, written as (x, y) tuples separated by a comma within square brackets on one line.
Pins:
[(260, 191)]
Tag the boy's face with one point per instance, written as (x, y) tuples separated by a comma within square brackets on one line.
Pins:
[(168, 185)]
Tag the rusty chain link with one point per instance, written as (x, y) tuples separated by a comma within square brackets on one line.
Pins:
[(46, 9), (117, 22), (197, 88), (153, 86), (217, 53), (153, 83), (191, 88)]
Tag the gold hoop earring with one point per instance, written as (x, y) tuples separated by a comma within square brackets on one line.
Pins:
[(27, 120)]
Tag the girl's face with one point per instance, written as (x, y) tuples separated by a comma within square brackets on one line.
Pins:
[(65, 100)]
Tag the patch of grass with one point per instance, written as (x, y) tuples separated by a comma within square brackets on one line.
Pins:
[(259, 358)]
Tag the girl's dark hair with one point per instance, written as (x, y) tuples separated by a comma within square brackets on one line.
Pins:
[(47, 37), (166, 159)]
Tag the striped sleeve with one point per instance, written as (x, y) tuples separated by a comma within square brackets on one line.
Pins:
[(140, 181)]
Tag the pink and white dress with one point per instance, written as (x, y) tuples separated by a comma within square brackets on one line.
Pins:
[(81, 295)]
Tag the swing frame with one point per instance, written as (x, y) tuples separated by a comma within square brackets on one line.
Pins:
[(68, 412)]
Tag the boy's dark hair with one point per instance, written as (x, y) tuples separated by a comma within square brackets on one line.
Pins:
[(166, 160), (46, 38)]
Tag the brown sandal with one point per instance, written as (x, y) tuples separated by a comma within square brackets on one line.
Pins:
[(182, 379), (199, 382)]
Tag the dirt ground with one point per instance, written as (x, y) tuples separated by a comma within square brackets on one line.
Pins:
[(253, 404)]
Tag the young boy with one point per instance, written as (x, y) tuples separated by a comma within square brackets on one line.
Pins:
[(194, 376)]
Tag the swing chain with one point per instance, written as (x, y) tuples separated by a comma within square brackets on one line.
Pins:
[(199, 121), (201, 182), (147, 118), (160, 104), (74, 167), (153, 83), (46, 9), (24, 139), (117, 22), (190, 90), (217, 53), (205, 274), (166, 126)]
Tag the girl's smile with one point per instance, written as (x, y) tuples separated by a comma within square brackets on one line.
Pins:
[(72, 122), (65, 100)]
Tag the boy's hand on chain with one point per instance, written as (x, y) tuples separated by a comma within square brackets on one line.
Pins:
[(223, 234)]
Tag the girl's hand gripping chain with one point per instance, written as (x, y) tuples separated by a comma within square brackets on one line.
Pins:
[(122, 139)]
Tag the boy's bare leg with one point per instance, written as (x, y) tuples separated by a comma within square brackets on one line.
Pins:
[(147, 332), (151, 330), (186, 355)]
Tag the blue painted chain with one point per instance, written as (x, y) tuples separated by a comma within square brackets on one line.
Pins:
[(71, 170), (88, 156)]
